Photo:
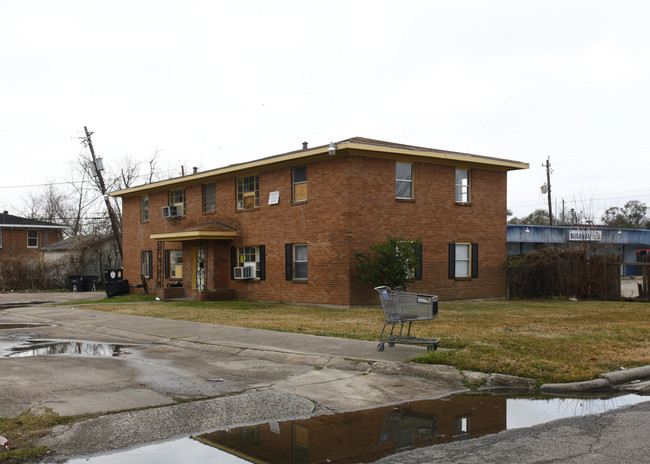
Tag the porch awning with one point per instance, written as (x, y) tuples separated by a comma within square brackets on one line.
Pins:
[(208, 231)]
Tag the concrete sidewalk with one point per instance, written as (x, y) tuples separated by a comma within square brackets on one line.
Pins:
[(168, 360), (155, 330)]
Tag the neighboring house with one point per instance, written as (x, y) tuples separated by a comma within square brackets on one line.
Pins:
[(85, 255), (21, 236), (21, 241), (286, 227)]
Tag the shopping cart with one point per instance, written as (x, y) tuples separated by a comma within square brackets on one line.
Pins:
[(401, 307)]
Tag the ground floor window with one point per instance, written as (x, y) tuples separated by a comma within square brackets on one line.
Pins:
[(296, 258), (249, 255), (146, 269), (241, 256), (463, 260), (176, 264), (32, 238)]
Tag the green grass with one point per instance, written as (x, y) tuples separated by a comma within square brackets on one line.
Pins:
[(548, 340), (23, 432)]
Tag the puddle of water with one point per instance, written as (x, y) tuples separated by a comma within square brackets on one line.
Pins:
[(364, 436), (62, 347)]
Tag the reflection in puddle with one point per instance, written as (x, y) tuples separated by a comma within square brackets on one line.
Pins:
[(53, 347), (364, 436)]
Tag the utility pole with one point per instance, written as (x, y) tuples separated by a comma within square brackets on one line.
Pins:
[(115, 224), (547, 165)]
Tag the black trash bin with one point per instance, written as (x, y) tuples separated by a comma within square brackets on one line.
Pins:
[(76, 283), (89, 283), (117, 287), (112, 274)]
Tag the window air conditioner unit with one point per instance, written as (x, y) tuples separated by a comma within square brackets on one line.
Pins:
[(170, 211), (245, 272)]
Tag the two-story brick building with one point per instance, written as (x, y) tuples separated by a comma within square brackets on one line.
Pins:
[(286, 227)]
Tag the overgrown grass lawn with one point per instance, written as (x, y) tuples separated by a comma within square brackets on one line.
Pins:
[(548, 340)]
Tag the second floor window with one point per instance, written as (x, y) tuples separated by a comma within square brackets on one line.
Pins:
[(210, 197), (248, 192), (32, 238), (144, 208), (177, 198), (403, 180), (299, 183), (462, 186)]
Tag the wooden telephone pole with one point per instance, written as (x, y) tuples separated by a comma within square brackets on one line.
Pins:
[(115, 223), (547, 165)]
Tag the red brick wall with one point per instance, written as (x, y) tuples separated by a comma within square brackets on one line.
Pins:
[(14, 241), (351, 204)]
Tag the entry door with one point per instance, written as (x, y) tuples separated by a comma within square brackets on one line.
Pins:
[(200, 269)]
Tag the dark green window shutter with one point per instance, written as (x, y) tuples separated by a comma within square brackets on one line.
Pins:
[(474, 260), (418, 262), (288, 260), (166, 254), (233, 262), (452, 260), (262, 262)]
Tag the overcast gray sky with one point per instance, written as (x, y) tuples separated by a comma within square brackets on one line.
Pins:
[(211, 83)]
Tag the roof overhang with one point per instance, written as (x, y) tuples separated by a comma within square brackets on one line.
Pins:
[(194, 235), (32, 226), (358, 146)]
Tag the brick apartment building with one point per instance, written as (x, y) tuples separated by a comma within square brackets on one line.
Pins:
[(286, 227)]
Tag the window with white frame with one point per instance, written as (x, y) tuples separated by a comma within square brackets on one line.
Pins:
[(176, 264), (177, 198), (144, 208), (463, 260), (403, 180), (463, 255), (210, 197), (32, 238), (300, 262), (299, 174), (462, 186), (248, 192)]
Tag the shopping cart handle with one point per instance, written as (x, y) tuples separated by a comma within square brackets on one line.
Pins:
[(382, 287)]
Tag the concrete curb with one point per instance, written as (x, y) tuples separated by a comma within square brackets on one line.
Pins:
[(606, 381)]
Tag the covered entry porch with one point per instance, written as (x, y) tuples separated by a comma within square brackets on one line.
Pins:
[(194, 263)]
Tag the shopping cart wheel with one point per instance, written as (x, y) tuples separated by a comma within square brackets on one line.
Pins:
[(432, 347), (380, 347), (391, 344)]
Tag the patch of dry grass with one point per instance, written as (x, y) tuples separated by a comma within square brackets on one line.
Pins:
[(549, 340)]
